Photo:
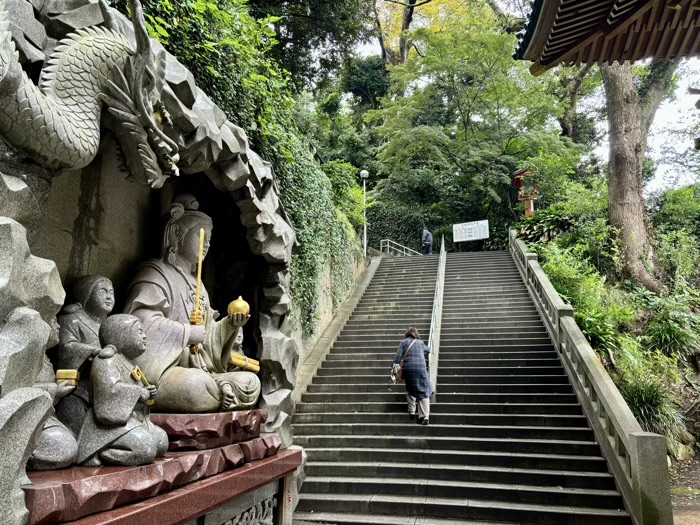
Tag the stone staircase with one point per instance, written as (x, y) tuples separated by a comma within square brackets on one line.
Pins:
[(507, 441)]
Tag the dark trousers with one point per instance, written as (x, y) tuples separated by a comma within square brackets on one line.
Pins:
[(427, 248)]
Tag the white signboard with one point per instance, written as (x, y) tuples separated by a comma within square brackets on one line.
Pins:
[(470, 231)]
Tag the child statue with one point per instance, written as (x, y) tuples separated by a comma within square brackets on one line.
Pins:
[(117, 429), (190, 364), (79, 342), (56, 447)]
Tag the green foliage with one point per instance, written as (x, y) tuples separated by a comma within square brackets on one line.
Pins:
[(678, 254), (401, 224), (317, 36), (600, 311), (678, 209), (367, 79), (347, 193), (655, 410), (545, 225)]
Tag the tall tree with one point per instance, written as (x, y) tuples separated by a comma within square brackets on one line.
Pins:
[(631, 109), (316, 36)]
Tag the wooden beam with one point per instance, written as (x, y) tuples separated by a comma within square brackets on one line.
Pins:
[(604, 30)]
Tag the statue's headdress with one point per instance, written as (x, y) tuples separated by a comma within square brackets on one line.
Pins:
[(184, 216)]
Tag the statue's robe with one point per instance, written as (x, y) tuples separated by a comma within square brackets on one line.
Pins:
[(188, 380), (56, 447), (79, 337), (117, 429)]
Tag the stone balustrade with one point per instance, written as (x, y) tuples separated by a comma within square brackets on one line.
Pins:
[(637, 459)]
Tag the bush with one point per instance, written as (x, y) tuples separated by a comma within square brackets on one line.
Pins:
[(678, 254), (601, 311), (655, 410)]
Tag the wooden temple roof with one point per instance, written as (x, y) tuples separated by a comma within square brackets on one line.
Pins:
[(604, 31)]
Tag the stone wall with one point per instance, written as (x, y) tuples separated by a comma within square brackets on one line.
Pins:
[(96, 221)]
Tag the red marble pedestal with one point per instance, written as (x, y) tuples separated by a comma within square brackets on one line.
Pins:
[(63, 495), (196, 499), (204, 431)]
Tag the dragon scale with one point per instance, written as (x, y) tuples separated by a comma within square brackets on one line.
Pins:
[(63, 112)]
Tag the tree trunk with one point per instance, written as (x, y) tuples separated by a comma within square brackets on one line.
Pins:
[(627, 145)]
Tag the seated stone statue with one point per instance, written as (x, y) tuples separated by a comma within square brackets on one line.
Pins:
[(79, 342), (190, 364), (117, 429), (57, 446)]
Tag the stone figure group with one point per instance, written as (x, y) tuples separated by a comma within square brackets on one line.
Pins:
[(151, 356)]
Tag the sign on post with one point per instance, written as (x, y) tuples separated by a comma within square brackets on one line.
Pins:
[(470, 231)]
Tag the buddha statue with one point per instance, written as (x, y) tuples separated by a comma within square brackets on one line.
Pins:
[(79, 342), (189, 363)]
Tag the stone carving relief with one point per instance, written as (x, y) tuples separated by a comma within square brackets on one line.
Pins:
[(261, 514), (69, 71)]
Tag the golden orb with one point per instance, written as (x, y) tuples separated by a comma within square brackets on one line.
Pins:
[(239, 306)]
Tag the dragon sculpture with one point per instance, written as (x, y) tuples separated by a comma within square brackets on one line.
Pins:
[(57, 123)]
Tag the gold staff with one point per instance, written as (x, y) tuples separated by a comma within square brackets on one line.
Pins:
[(197, 317)]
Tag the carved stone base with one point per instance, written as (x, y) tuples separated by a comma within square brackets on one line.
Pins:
[(205, 431), (66, 495), (244, 493)]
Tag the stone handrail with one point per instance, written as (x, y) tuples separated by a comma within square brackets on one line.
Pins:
[(637, 459), (390, 247), (436, 320)]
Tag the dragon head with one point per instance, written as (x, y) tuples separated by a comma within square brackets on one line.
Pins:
[(136, 114)]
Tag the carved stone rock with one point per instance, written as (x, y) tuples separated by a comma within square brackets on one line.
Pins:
[(27, 31), (26, 280), (22, 415), (261, 447), (67, 495), (204, 431), (17, 200), (23, 335)]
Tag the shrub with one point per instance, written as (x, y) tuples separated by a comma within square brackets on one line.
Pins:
[(673, 332), (655, 410), (678, 254), (600, 310)]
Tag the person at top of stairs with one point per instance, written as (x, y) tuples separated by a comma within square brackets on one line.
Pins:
[(411, 355)]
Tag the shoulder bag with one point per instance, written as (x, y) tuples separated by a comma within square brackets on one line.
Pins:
[(404, 358)]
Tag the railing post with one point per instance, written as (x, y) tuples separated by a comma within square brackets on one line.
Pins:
[(650, 480), (562, 311)]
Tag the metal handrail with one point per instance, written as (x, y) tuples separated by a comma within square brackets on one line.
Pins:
[(436, 320), (637, 459), (390, 247)]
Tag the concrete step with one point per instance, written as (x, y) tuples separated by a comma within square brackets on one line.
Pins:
[(445, 481), (447, 365), (339, 518), (447, 396), (484, 510), (452, 444), (477, 419), (527, 406), (422, 456), (537, 391), (446, 372), (338, 355), (439, 430)]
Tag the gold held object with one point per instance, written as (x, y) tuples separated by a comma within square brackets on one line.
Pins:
[(197, 317), (68, 376), (246, 363), (239, 306), (138, 376)]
